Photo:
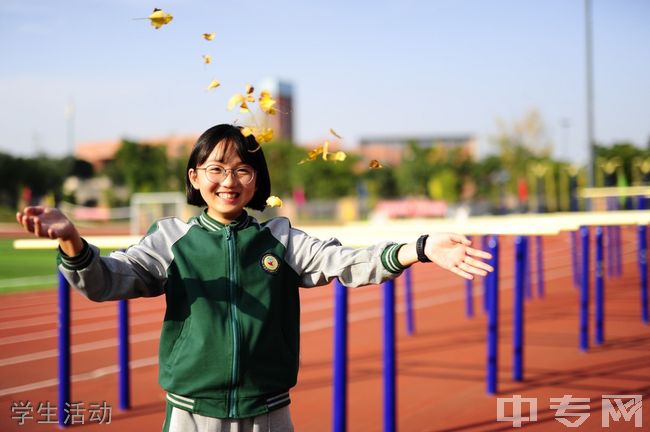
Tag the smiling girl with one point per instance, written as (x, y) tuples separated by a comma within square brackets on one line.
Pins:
[(229, 345)]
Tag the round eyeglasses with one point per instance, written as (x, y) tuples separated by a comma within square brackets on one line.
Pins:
[(217, 174)]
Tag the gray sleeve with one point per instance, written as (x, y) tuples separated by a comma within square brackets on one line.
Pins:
[(318, 262), (140, 271)]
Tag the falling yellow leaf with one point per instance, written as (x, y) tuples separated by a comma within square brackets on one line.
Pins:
[(159, 18), (207, 59), (214, 84), (325, 151), (338, 156), (235, 100), (312, 155), (241, 100), (333, 132), (264, 136), (267, 102), (273, 201), (322, 150), (209, 36), (375, 164)]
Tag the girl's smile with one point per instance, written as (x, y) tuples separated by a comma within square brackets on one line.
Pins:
[(226, 183)]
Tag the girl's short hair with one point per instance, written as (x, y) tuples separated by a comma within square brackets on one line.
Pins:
[(247, 149)]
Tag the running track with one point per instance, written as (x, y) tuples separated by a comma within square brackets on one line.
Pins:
[(441, 384)]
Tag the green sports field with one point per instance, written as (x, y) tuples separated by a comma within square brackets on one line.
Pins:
[(26, 270)]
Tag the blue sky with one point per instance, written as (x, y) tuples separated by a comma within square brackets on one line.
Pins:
[(364, 68)]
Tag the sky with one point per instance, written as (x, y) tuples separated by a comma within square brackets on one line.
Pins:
[(364, 68)]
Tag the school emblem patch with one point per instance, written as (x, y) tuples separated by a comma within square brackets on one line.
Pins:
[(270, 263)]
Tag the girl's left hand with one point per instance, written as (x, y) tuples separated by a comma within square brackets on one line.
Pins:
[(453, 252)]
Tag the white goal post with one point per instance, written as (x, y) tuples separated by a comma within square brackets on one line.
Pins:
[(146, 208)]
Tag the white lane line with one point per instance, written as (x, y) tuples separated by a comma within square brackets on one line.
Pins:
[(78, 304), (91, 346), (96, 373), (53, 319), (80, 329)]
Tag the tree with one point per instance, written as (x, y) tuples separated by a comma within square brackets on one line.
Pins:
[(326, 179), (381, 183), (414, 171), (282, 158), (141, 167)]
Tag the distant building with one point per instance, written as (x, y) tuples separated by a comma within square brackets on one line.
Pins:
[(282, 122), (389, 149), (102, 153)]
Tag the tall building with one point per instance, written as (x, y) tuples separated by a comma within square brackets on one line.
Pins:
[(282, 122)]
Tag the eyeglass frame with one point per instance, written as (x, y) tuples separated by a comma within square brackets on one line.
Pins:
[(233, 173)]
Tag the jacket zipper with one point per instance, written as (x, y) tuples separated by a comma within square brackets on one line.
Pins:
[(230, 240)]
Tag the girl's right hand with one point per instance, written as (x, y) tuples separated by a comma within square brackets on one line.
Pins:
[(46, 222), (51, 223)]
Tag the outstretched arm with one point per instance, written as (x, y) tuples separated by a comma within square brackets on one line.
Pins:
[(51, 223), (451, 252)]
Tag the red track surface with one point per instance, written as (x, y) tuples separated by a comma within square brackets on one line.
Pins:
[(441, 369)]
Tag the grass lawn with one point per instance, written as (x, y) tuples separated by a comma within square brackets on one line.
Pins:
[(26, 270)]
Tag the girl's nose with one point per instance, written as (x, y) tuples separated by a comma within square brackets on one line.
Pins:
[(229, 178)]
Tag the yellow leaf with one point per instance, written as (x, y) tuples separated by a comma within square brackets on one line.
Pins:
[(209, 36), (159, 18), (312, 155), (267, 102), (242, 99), (264, 136), (273, 201), (247, 130), (326, 146), (333, 132), (236, 99), (214, 84), (375, 164), (339, 156), (207, 59)]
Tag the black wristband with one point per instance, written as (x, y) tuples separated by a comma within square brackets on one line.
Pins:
[(419, 249)]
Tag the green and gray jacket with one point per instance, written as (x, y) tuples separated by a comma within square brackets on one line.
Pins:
[(229, 345)]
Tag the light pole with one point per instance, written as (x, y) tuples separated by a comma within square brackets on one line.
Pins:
[(590, 96)]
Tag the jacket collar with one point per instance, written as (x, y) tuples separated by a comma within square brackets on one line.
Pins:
[(212, 224)]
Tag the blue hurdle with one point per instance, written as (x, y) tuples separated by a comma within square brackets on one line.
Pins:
[(518, 309), (643, 270), (64, 349), (340, 390), (584, 290), (123, 355), (493, 316), (600, 289), (390, 397)]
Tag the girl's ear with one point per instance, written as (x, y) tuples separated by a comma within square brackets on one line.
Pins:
[(192, 174)]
